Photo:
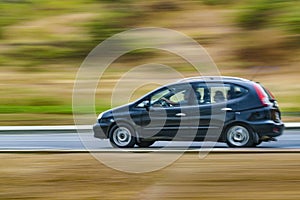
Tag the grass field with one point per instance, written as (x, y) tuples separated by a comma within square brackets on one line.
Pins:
[(218, 176), (43, 43)]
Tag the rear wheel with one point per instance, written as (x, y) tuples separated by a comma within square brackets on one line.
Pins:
[(122, 136), (239, 136), (145, 143)]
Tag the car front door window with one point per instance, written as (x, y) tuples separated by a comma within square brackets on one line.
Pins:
[(175, 97)]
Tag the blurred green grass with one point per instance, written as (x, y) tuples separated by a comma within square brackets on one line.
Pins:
[(43, 43), (256, 14)]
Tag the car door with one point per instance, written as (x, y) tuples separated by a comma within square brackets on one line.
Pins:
[(161, 122), (166, 121), (214, 109)]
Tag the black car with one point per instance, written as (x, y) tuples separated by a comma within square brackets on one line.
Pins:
[(237, 111)]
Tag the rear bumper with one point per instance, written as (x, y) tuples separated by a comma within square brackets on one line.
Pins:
[(268, 128)]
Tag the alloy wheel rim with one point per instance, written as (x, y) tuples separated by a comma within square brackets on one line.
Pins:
[(238, 135), (122, 136)]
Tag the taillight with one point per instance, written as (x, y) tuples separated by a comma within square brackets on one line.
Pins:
[(263, 97), (270, 93)]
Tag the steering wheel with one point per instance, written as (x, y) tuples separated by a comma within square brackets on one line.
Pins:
[(163, 103)]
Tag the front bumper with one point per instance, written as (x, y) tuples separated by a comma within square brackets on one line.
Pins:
[(100, 131)]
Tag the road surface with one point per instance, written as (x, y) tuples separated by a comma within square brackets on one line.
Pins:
[(54, 140)]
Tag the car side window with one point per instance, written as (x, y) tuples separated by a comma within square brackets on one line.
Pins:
[(203, 94), (219, 93), (178, 95), (155, 97), (236, 92), (184, 97), (212, 93)]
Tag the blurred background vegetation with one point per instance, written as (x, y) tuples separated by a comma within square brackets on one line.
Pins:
[(43, 43)]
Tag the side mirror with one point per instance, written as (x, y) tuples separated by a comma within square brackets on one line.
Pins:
[(144, 104)]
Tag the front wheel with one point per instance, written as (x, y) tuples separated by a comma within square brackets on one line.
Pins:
[(122, 136), (239, 136)]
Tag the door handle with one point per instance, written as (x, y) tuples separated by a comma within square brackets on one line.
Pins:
[(226, 109), (180, 115)]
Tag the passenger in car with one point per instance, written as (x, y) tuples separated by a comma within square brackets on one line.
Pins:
[(206, 97), (219, 97), (229, 96)]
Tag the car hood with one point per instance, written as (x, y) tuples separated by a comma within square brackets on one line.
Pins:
[(115, 112)]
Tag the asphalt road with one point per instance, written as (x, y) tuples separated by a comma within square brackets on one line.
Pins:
[(72, 141)]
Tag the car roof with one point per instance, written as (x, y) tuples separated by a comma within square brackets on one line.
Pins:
[(205, 79), (212, 79)]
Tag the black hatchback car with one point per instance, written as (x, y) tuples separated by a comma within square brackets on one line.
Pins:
[(237, 111)]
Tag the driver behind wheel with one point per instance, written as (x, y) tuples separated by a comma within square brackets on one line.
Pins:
[(189, 98)]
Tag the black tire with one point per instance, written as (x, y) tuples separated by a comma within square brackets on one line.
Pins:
[(145, 144), (122, 136), (239, 135), (258, 143)]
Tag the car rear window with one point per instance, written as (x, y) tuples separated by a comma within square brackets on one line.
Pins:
[(237, 91)]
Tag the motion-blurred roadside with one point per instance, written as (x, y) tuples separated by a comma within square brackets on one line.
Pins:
[(43, 43)]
